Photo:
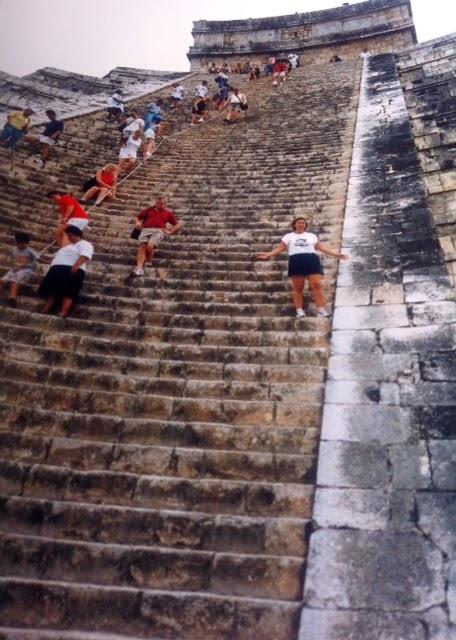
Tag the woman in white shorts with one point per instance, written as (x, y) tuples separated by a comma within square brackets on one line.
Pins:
[(149, 145), (129, 151)]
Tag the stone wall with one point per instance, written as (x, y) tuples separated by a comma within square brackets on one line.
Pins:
[(72, 94), (428, 79), (382, 555), (379, 25)]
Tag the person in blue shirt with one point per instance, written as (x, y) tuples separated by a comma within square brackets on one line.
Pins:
[(51, 133)]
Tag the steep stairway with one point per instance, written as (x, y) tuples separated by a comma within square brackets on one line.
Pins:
[(158, 447)]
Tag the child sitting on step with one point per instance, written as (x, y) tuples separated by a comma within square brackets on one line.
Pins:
[(24, 260)]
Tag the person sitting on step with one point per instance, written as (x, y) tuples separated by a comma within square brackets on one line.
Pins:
[(16, 126), (102, 185), (63, 282), (50, 136), (304, 263), (24, 263), (156, 222)]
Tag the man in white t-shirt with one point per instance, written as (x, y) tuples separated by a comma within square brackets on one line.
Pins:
[(177, 96), (115, 106), (201, 89)]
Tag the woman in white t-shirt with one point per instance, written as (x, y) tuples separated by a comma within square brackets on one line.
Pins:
[(129, 151), (64, 280), (303, 262)]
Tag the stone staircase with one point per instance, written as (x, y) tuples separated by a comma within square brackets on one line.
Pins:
[(158, 447)]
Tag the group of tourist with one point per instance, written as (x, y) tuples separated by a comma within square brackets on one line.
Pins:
[(63, 282)]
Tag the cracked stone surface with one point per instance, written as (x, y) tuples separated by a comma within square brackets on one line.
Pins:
[(382, 559)]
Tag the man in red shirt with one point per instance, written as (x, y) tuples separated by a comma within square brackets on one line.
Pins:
[(155, 223)]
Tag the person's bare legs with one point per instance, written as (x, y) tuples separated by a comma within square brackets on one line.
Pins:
[(50, 302), (141, 256), (14, 290), (102, 193), (67, 305), (91, 193), (297, 282), (315, 282), (150, 250), (44, 152)]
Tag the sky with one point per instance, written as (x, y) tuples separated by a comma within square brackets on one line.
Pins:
[(93, 37)]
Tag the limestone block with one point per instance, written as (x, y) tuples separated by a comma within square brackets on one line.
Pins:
[(384, 571), (416, 339), (424, 292), (388, 294), (448, 180), (361, 393), (443, 463), (373, 317), (363, 341), (352, 508), (364, 423), (348, 296), (359, 625), (369, 366), (352, 464), (411, 466), (428, 393)]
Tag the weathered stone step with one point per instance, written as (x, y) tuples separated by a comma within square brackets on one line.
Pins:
[(230, 497), (144, 613), (191, 463), (57, 339), (170, 385), (146, 527), (283, 407), (161, 368), (31, 557), (34, 421)]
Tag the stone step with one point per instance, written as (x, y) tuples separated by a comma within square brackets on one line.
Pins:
[(191, 463), (148, 527), (33, 421), (31, 557), (230, 497), (143, 613), (139, 347), (282, 409), (161, 368)]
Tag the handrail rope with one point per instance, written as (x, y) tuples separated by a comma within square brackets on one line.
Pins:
[(140, 164)]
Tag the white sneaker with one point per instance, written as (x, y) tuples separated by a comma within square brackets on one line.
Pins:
[(138, 271), (300, 313), (322, 313)]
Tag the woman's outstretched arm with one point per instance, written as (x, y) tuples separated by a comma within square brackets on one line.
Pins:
[(329, 252), (275, 252)]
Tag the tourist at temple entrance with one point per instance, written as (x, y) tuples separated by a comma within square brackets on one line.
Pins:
[(155, 223), (304, 264)]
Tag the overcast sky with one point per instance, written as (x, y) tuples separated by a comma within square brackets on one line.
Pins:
[(93, 37)]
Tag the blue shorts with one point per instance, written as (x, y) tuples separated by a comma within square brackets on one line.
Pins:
[(304, 264)]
